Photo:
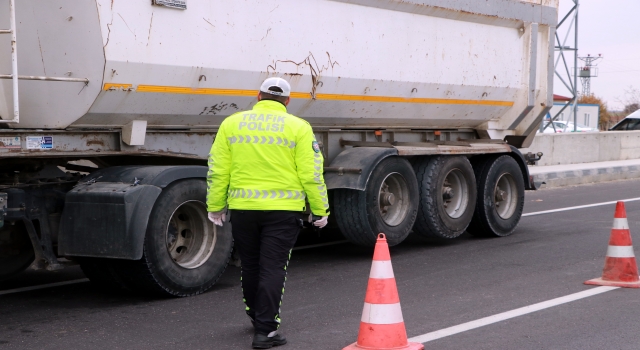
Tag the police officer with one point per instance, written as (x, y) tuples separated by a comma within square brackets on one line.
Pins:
[(263, 164)]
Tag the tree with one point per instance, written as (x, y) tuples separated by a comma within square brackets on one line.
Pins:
[(605, 115), (631, 100), (630, 108)]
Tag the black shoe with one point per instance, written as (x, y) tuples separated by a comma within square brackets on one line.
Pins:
[(262, 341)]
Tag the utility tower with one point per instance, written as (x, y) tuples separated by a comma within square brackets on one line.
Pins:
[(588, 71), (566, 49)]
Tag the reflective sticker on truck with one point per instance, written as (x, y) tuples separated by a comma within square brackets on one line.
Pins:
[(39, 142), (10, 142)]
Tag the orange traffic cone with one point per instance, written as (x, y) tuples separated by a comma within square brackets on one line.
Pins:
[(620, 267), (381, 325)]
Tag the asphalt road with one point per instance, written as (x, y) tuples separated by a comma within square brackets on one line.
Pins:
[(440, 285)]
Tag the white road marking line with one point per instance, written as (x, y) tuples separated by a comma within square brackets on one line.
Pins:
[(509, 314), (579, 207), (320, 245), (43, 286)]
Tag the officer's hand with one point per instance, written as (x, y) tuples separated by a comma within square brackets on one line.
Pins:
[(322, 222), (218, 217)]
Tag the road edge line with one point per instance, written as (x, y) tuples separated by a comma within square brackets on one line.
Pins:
[(485, 321), (579, 207), (43, 286)]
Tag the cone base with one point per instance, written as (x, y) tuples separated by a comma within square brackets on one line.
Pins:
[(410, 346), (601, 282)]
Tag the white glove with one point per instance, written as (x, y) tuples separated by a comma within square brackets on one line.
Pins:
[(218, 217), (322, 222)]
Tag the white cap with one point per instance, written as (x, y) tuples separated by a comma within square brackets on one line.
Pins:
[(276, 82)]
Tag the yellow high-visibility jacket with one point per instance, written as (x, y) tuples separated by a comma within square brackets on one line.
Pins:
[(266, 159)]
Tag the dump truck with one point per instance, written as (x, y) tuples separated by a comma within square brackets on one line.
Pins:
[(108, 109)]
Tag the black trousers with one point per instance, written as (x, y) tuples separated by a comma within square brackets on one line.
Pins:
[(264, 240)]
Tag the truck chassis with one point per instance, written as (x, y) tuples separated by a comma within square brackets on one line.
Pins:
[(62, 203)]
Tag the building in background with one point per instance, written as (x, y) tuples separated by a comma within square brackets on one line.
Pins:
[(588, 114)]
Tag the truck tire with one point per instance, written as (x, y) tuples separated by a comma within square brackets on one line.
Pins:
[(184, 253), (500, 197), (388, 205), (447, 196), (16, 251)]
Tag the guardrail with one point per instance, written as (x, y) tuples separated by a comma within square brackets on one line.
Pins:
[(586, 147)]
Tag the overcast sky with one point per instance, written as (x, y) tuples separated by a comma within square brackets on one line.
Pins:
[(610, 28)]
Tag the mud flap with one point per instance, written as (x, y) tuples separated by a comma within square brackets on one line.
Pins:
[(107, 215)]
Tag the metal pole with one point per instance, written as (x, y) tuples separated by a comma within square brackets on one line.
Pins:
[(14, 63), (575, 72)]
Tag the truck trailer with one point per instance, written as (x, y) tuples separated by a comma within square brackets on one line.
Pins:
[(108, 109)]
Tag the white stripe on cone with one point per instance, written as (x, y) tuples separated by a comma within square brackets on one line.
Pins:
[(620, 224), (616, 251), (381, 269), (382, 313)]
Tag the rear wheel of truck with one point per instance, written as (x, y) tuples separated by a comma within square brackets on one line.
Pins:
[(447, 196), (16, 251), (500, 197), (184, 253), (387, 205)]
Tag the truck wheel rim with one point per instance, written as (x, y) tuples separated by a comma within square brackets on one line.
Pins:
[(455, 194), (505, 196), (393, 199), (190, 235)]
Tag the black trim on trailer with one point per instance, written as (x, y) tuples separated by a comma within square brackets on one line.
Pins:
[(364, 159)]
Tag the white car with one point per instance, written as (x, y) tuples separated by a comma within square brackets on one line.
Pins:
[(630, 122), (564, 126), (580, 128), (558, 124)]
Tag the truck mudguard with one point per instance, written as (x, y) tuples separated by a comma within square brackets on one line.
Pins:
[(352, 168), (106, 216), (528, 181)]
